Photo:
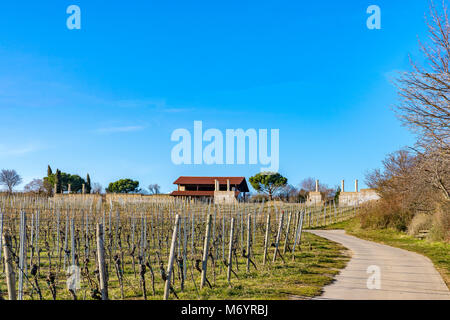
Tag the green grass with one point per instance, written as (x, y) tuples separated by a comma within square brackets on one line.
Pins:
[(437, 252), (305, 277)]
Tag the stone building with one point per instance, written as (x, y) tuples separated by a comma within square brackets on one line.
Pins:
[(345, 198), (356, 197), (219, 189), (315, 197)]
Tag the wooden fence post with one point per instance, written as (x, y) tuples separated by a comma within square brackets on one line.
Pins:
[(298, 235), (22, 252), (266, 239), (10, 275), (230, 252), (205, 251), (72, 241), (249, 228), (101, 262), (171, 258), (185, 234), (286, 240), (277, 242), (1, 236)]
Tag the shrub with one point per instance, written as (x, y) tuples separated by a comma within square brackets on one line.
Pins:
[(384, 214), (441, 223), (420, 222)]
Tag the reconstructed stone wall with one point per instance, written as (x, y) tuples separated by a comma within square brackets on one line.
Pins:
[(355, 198), (314, 198), (368, 195), (221, 197), (348, 198), (77, 196), (115, 197)]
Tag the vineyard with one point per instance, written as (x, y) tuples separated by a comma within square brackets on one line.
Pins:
[(57, 248)]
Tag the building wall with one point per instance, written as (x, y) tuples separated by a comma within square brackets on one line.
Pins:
[(314, 198), (77, 196), (368, 195), (116, 197), (221, 197), (355, 198)]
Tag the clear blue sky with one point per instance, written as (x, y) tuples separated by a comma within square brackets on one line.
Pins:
[(105, 99)]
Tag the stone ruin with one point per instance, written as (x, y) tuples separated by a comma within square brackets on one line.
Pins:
[(345, 198)]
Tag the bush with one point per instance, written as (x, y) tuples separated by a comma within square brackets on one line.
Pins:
[(420, 222), (441, 223), (384, 214)]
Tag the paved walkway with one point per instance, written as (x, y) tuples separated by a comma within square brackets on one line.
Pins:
[(404, 275)]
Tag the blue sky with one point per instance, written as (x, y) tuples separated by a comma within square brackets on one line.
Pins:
[(105, 99)]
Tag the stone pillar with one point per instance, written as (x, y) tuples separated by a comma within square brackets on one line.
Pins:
[(356, 185), (228, 184), (342, 186), (317, 185), (215, 185), (69, 188), (55, 189), (83, 189)]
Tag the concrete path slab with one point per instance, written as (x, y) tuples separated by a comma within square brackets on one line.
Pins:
[(404, 275)]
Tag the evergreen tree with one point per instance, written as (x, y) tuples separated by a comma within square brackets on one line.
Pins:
[(49, 171), (58, 181), (88, 184), (123, 186), (336, 195), (268, 182)]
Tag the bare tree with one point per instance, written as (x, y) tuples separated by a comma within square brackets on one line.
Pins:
[(407, 178), (433, 168), (395, 177), (97, 188), (288, 193), (425, 92), (36, 186), (308, 184), (10, 179), (425, 105), (154, 189)]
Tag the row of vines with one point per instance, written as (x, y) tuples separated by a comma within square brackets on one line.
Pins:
[(86, 249)]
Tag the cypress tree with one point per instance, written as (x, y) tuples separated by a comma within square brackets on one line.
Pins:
[(49, 171), (88, 184), (58, 181)]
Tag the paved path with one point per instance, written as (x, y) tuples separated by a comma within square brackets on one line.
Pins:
[(405, 275)]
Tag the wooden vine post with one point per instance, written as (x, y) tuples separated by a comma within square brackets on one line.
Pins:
[(266, 239), (205, 251), (286, 238), (230, 251), (22, 252), (249, 228), (10, 275), (171, 258), (277, 242), (101, 262), (298, 234)]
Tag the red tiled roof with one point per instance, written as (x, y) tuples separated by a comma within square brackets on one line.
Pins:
[(209, 180), (196, 193)]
